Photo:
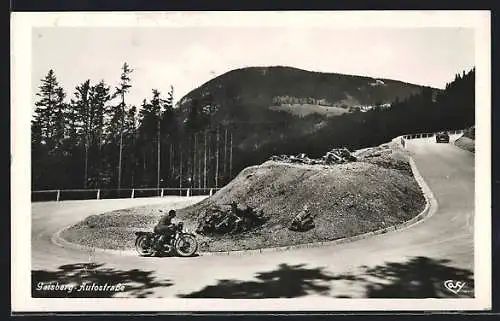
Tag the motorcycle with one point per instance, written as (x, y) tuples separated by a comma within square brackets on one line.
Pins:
[(181, 243)]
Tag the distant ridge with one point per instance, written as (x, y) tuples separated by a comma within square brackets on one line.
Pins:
[(262, 87)]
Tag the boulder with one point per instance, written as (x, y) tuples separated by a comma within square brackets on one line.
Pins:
[(218, 221)]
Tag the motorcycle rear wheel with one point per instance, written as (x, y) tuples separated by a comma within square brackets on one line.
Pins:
[(142, 247), (186, 245)]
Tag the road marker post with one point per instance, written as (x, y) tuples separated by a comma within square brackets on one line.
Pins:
[(58, 194), (133, 192)]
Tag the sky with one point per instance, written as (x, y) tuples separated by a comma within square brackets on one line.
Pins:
[(188, 56)]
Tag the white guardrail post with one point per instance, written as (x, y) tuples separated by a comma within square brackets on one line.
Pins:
[(58, 195), (162, 192), (133, 192), (211, 192), (188, 192), (98, 194)]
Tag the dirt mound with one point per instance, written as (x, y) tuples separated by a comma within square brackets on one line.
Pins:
[(346, 199), (343, 200), (388, 156)]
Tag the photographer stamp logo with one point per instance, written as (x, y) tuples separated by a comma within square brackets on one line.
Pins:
[(454, 286)]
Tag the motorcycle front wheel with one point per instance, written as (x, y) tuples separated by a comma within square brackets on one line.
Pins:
[(186, 245), (143, 246)]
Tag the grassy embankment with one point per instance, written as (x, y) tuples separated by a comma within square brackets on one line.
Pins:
[(467, 141), (346, 200)]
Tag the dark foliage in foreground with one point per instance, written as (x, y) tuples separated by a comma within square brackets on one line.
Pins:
[(418, 277)]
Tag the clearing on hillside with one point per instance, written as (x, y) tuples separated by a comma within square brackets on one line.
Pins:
[(303, 110)]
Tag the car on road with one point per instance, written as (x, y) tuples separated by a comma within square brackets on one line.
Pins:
[(442, 137)]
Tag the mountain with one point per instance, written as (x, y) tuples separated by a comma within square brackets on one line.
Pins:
[(266, 105), (247, 93)]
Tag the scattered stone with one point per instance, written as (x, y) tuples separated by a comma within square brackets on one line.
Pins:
[(303, 221), (218, 221), (334, 156)]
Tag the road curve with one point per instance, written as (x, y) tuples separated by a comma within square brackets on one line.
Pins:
[(410, 263)]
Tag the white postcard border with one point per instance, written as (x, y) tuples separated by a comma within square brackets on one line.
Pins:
[(22, 23)]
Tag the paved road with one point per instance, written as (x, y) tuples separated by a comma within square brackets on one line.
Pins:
[(408, 263)]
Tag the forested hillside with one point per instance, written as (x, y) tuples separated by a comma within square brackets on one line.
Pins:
[(91, 137), (453, 108)]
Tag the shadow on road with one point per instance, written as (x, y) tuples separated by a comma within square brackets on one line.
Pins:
[(287, 281), (136, 283), (418, 277)]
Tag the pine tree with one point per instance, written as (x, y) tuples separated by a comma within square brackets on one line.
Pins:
[(150, 135), (83, 120), (121, 91), (50, 128), (231, 155), (49, 114), (130, 132), (100, 95), (205, 159), (217, 158), (169, 129), (156, 103), (60, 118), (225, 155), (144, 138)]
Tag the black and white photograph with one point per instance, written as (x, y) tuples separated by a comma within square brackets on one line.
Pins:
[(199, 161)]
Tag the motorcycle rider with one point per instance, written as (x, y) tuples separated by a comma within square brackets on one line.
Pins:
[(165, 227)]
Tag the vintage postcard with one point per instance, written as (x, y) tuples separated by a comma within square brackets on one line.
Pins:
[(251, 161)]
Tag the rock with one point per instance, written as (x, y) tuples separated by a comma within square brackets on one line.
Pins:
[(230, 221), (335, 156), (302, 222)]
